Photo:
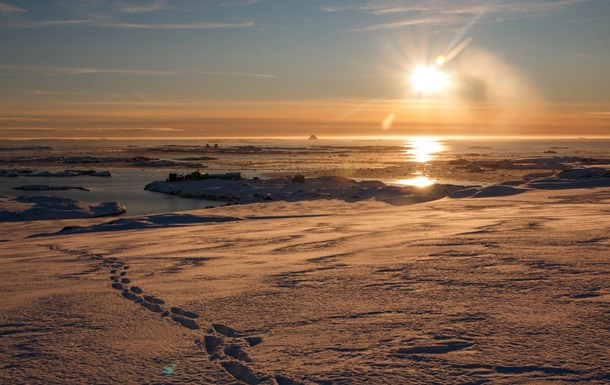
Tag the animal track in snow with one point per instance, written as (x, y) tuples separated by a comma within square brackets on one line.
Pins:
[(223, 344), (238, 353), (240, 372), (184, 313), (152, 299), (136, 290), (186, 322), (436, 348), (224, 330)]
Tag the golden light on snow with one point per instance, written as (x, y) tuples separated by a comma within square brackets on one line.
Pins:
[(418, 181), (423, 149), (429, 80)]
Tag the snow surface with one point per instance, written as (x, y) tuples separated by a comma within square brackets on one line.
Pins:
[(282, 189), (333, 187), (567, 179), (506, 289), (30, 208), (45, 187)]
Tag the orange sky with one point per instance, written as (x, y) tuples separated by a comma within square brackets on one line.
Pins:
[(301, 118), (179, 68)]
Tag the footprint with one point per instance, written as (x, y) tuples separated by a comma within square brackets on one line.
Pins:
[(585, 295), (281, 380), (237, 352), (152, 307), (152, 299), (188, 314), (135, 289), (253, 341), (117, 286), (211, 343), (122, 273), (186, 322), (439, 348), (224, 330), (129, 295), (240, 372), (126, 267), (113, 277), (113, 271), (125, 280)]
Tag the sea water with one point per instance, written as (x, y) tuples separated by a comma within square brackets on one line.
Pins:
[(126, 186)]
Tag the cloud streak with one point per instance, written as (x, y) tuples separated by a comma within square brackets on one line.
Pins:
[(238, 3), (59, 71), (152, 7), (239, 74), (10, 10), (118, 24), (90, 129), (18, 119), (43, 70), (243, 24), (448, 13)]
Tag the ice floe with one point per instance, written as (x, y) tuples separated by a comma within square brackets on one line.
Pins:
[(29, 208), (568, 179), (44, 187), (283, 189)]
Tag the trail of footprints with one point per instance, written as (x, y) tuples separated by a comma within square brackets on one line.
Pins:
[(223, 344)]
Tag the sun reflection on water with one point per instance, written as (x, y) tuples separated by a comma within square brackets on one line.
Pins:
[(418, 181), (423, 150)]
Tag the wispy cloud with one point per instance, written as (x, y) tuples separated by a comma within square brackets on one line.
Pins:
[(133, 8), (10, 10), (447, 12), (18, 119), (400, 24), (243, 24), (120, 14), (117, 24), (115, 129), (43, 70), (57, 71), (90, 129), (52, 93), (237, 3), (239, 74)]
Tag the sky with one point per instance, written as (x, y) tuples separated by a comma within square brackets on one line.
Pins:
[(266, 68)]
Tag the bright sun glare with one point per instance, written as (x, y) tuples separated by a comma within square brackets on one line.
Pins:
[(424, 149), (421, 150), (428, 80)]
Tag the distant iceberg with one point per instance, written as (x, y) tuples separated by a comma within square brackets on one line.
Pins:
[(313, 137)]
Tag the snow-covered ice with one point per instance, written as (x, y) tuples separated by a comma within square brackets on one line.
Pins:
[(283, 189), (30, 208), (498, 288), (45, 187)]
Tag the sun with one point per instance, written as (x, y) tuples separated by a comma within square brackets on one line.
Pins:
[(429, 80)]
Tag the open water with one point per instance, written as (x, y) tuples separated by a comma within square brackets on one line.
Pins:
[(127, 184)]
